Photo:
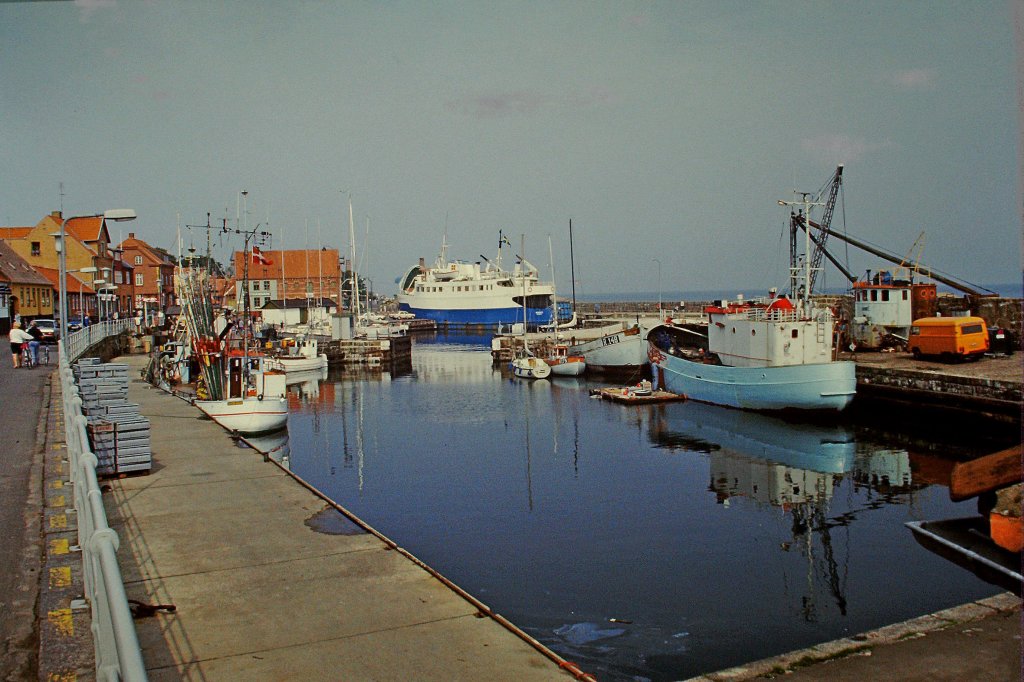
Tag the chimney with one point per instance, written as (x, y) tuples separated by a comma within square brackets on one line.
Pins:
[(131, 235), (56, 215)]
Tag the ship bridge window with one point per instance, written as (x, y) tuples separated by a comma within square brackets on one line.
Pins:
[(904, 294), (874, 295), (885, 295), (796, 333)]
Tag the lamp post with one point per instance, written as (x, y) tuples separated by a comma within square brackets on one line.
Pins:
[(116, 215), (660, 318)]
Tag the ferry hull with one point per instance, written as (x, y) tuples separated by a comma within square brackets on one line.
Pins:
[(485, 317), (247, 416), (821, 387)]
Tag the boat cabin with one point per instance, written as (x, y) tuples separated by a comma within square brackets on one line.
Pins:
[(885, 306)]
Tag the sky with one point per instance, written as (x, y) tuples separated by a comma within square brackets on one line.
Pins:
[(665, 131)]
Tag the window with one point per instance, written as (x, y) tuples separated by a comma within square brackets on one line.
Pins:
[(971, 329), (138, 279), (796, 333), (138, 260), (904, 294), (266, 285), (35, 248), (885, 295), (118, 277), (874, 295)]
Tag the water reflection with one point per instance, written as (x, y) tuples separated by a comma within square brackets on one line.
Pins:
[(644, 542), (273, 445)]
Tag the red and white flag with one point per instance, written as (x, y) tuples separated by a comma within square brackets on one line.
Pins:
[(258, 258)]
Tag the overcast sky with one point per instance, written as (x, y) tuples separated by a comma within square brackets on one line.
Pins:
[(664, 130)]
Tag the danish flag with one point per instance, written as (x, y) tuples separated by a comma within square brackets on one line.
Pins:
[(258, 258)]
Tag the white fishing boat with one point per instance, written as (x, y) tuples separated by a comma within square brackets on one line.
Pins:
[(235, 389), (249, 415), (775, 353), (461, 293), (618, 351), (302, 356)]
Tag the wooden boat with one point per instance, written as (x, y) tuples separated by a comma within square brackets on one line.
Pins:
[(564, 365)]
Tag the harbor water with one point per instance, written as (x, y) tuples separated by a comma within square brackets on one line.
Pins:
[(641, 542)]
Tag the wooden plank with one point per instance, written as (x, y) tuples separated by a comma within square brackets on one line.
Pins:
[(981, 475)]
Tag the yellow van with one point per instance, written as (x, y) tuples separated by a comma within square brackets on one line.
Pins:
[(949, 337)]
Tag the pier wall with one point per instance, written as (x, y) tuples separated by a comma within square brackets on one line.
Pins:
[(996, 398)]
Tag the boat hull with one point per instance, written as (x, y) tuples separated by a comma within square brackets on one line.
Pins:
[(297, 364), (618, 352), (820, 387), (566, 367), (484, 317), (251, 415)]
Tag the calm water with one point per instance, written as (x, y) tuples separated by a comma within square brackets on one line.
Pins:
[(654, 542)]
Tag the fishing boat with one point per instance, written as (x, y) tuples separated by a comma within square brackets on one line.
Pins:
[(774, 353), (235, 389), (563, 364), (461, 293), (301, 356), (618, 351)]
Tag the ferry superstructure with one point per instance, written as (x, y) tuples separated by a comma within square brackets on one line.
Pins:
[(463, 293)]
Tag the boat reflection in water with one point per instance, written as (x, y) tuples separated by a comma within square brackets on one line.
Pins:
[(795, 466), (274, 446)]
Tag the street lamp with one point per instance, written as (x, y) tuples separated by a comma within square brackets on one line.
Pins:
[(116, 215), (660, 318)]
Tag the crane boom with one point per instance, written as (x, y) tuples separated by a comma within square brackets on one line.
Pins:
[(900, 260)]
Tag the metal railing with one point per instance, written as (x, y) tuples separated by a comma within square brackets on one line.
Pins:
[(118, 654), (77, 343)]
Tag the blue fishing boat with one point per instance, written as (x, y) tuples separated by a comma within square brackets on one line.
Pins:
[(776, 353)]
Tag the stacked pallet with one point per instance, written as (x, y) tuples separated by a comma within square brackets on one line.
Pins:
[(118, 434)]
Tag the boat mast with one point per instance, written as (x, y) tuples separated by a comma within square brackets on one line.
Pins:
[(245, 287), (352, 266), (554, 298), (522, 273), (804, 290), (572, 268)]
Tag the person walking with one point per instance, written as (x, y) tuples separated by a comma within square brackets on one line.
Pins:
[(18, 337), (33, 346)]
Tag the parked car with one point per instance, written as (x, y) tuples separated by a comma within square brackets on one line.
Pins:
[(48, 328), (1001, 340)]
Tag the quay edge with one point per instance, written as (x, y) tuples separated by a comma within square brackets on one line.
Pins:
[(977, 640)]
